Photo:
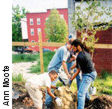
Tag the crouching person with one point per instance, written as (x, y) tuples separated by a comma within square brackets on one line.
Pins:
[(34, 85)]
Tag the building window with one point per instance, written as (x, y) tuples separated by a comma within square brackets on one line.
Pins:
[(62, 16), (32, 32), (31, 21), (38, 21), (38, 30), (33, 41), (46, 18)]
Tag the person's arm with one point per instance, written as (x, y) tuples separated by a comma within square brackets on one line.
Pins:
[(77, 72), (50, 93), (71, 59), (73, 66), (53, 87), (65, 69)]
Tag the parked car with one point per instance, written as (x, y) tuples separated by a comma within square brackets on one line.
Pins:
[(28, 50), (19, 49), (22, 49)]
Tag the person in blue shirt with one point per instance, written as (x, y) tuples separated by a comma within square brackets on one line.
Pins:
[(71, 59), (59, 60)]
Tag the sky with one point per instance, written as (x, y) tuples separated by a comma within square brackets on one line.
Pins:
[(40, 5)]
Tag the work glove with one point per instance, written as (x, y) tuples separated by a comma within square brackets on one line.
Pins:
[(58, 88), (58, 101)]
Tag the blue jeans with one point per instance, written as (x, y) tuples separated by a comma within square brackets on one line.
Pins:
[(69, 66), (48, 97), (87, 79), (78, 81)]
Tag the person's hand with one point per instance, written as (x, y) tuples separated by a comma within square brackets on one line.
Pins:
[(69, 76), (58, 101)]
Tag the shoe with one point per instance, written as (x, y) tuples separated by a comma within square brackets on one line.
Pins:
[(87, 103)]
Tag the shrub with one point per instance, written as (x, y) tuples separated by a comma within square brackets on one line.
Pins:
[(18, 78)]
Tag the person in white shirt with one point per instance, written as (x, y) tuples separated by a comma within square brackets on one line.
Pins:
[(37, 82)]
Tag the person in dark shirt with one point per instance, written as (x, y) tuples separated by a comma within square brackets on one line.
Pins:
[(85, 64)]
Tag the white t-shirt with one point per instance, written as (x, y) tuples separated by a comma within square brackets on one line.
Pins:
[(42, 80)]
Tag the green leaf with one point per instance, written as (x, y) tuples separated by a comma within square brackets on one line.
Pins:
[(56, 28)]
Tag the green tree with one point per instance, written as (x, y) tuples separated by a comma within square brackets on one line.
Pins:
[(86, 20), (17, 14), (56, 28)]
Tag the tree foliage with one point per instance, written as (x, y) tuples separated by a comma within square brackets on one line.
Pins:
[(88, 18), (56, 28), (17, 14)]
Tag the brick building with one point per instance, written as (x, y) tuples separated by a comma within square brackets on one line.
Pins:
[(36, 24), (103, 57)]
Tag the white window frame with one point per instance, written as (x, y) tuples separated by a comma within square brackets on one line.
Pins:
[(38, 30), (62, 16), (46, 18), (38, 21), (32, 41), (32, 31), (31, 21)]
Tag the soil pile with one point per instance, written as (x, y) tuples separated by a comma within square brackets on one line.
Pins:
[(102, 102), (28, 102), (21, 99), (18, 91)]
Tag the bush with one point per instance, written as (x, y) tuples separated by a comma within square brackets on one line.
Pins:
[(105, 74), (18, 78), (104, 83)]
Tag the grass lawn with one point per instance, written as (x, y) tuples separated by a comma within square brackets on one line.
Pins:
[(16, 58), (47, 57), (103, 83)]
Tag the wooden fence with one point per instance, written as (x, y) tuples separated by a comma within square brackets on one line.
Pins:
[(52, 44)]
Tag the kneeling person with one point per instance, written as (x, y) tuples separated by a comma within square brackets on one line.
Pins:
[(36, 83)]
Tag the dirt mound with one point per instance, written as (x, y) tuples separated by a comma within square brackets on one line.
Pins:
[(18, 91), (67, 97), (22, 100), (28, 102), (20, 97), (102, 102)]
